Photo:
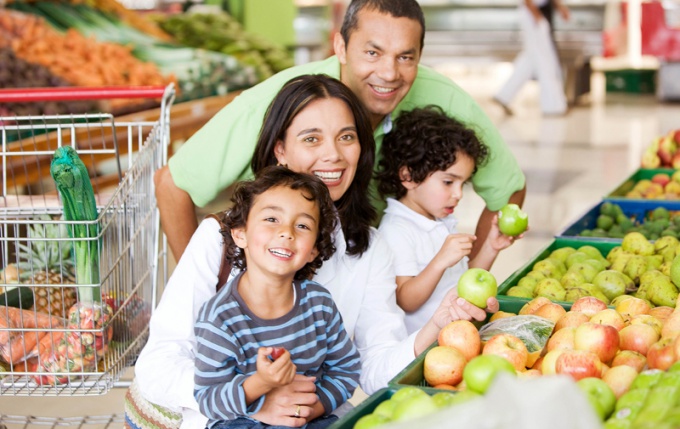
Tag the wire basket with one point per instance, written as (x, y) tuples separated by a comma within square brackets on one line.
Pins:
[(54, 338)]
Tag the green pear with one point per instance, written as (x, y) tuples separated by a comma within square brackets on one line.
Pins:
[(635, 267), (613, 253), (590, 251), (620, 261), (520, 292), (654, 261), (559, 264), (665, 268), (643, 290), (651, 275), (575, 293), (536, 275), (636, 243), (616, 301), (602, 297), (589, 287), (576, 257), (599, 264), (528, 283), (548, 268), (587, 271), (675, 271), (551, 289), (668, 254), (572, 279), (664, 243), (562, 253), (662, 292), (611, 283)]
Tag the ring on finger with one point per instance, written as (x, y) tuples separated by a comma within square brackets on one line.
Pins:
[(297, 411)]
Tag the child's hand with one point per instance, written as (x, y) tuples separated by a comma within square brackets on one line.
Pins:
[(277, 373), (454, 308), (455, 247), (497, 240)]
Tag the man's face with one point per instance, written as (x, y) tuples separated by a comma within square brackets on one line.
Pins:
[(380, 61)]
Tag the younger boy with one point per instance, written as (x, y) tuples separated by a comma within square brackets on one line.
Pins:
[(279, 233), (426, 160)]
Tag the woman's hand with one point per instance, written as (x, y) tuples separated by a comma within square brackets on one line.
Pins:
[(454, 307), (281, 404)]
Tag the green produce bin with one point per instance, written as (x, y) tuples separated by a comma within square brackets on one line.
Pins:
[(619, 193), (635, 81), (366, 407), (514, 304)]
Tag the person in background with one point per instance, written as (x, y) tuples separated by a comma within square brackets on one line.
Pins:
[(278, 232), (538, 59), (378, 52), (314, 125), (426, 160)]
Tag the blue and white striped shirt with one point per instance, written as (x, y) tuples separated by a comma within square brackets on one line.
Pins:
[(229, 335)]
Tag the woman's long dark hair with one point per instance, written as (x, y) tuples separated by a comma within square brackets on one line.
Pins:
[(354, 207)]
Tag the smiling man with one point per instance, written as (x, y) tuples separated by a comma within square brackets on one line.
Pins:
[(377, 56)]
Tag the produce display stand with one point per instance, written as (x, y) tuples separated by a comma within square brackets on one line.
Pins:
[(619, 193), (130, 247), (514, 304), (636, 208)]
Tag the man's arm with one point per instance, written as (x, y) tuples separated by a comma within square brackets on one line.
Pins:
[(178, 214), (485, 219)]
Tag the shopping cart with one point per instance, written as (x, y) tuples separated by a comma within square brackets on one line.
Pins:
[(37, 251)]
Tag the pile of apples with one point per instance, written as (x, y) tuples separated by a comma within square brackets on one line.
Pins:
[(638, 267), (660, 187), (663, 152)]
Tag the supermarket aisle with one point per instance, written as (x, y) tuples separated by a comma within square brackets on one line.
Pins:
[(570, 163)]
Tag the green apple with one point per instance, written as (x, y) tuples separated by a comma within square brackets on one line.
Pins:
[(480, 372), (465, 396), (599, 394), (512, 220), (444, 399), (476, 286), (633, 399), (370, 421), (386, 408), (414, 407), (407, 392)]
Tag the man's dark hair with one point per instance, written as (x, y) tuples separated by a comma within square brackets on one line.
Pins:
[(424, 141), (397, 8), (354, 208), (313, 189)]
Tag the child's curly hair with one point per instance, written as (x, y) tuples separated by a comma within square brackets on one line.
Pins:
[(270, 177), (424, 141)]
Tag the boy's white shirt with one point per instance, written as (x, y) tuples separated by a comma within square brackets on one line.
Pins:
[(415, 240), (165, 369)]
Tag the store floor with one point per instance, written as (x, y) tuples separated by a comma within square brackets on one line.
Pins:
[(570, 163)]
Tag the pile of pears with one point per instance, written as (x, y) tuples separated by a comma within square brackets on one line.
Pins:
[(638, 267), (613, 223)]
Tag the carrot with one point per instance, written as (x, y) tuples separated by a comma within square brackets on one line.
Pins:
[(16, 344)]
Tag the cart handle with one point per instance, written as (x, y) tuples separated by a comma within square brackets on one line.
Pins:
[(22, 95)]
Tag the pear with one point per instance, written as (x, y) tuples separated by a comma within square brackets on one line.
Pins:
[(643, 290), (662, 292), (591, 251), (536, 275), (576, 257), (613, 253), (635, 267), (562, 253), (559, 264), (675, 271), (587, 271), (575, 293), (589, 287), (599, 264), (616, 301), (665, 268), (551, 289), (619, 263), (572, 279), (548, 268), (654, 261), (650, 275), (520, 292), (611, 283), (602, 297), (635, 242), (664, 243), (668, 254), (528, 283)]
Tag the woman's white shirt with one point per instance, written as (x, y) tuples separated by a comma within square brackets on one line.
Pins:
[(363, 289)]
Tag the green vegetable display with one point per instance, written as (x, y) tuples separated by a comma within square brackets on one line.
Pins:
[(74, 186)]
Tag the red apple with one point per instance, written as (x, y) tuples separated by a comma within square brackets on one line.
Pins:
[(551, 311), (549, 362), (638, 338), (509, 347), (443, 365), (463, 336), (603, 340), (662, 312), (500, 315), (445, 387), (630, 358), (277, 352), (538, 364), (619, 378), (646, 319), (588, 305), (533, 305), (671, 326), (662, 178), (529, 373), (661, 355), (578, 364), (561, 340), (571, 319), (633, 306), (609, 317)]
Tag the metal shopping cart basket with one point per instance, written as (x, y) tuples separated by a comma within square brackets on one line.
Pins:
[(42, 349)]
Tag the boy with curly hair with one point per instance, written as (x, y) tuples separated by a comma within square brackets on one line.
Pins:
[(425, 161), (271, 321)]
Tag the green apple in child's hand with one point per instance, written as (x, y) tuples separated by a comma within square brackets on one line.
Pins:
[(476, 286), (512, 220)]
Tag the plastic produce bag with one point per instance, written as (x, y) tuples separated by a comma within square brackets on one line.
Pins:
[(534, 331)]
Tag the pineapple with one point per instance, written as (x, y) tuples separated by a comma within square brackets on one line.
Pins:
[(48, 262)]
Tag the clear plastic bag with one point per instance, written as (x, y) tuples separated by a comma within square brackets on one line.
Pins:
[(534, 331)]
